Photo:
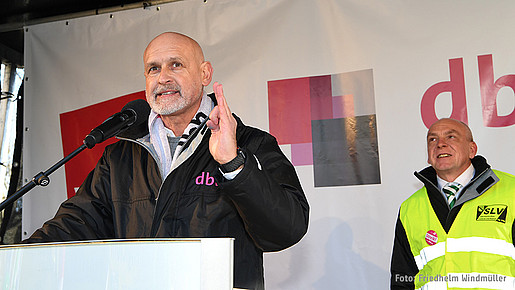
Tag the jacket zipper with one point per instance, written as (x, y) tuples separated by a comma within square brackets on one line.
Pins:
[(155, 159), (192, 136)]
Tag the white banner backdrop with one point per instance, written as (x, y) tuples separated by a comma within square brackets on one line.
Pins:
[(408, 46)]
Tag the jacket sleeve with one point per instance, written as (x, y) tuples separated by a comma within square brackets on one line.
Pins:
[(403, 267), (267, 194), (85, 216)]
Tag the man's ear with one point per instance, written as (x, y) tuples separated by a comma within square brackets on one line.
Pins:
[(207, 73), (473, 149)]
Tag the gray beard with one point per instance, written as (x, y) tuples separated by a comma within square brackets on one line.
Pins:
[(166, 108), (170, 107)]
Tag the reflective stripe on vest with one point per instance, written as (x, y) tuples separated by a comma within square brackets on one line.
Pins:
[(479, 244), (430, 253), (470, 244)]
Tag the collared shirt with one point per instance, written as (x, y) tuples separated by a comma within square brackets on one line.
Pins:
[(463, 179)]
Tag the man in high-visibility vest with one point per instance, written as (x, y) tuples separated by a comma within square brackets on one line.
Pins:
[(457, 231)]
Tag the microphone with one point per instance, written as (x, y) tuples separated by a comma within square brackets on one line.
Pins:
[(134, 113)]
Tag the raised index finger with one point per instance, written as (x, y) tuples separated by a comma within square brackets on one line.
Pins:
[(220, 98)]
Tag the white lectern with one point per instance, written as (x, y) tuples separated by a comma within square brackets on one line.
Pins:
[(146, 264)]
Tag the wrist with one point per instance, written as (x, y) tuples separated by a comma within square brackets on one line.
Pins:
[(236, 163)]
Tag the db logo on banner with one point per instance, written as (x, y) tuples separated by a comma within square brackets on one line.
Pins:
[(456, 86)]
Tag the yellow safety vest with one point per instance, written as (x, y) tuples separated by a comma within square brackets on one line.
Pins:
[(477, 252)]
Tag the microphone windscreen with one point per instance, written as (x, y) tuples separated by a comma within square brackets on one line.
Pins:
[(141, 108)]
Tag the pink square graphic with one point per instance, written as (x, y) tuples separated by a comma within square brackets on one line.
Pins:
[(302, 154), (343, 106)]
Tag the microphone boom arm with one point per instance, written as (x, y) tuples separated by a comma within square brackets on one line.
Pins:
[(40, 178)]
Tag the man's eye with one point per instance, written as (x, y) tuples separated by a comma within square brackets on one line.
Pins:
[(176, 64), (152, 69)]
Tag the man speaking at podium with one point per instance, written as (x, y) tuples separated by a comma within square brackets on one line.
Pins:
[(181, 176)]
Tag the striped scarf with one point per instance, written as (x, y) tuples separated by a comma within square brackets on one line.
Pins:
[(159, 134)]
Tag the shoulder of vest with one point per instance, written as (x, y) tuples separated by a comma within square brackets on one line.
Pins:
[(504, 175), (417, 197)]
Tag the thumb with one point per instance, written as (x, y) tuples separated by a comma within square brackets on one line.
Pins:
[(214, 119)]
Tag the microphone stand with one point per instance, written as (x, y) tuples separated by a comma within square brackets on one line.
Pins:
[(40, 178)]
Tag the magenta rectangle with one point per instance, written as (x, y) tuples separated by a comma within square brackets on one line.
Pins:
[(302, 154)]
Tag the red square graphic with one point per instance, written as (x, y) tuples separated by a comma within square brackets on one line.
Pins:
[(76, 125), (289, 110)]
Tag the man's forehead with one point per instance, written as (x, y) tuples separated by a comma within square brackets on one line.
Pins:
[(447, 124), (444, 131), (166, 50), (151, 61), (171, 44)]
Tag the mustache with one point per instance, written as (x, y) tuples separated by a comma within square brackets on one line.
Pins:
[(164, 88)]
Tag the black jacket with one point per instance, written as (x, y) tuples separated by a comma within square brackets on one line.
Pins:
[(263, 208), (403, 264)]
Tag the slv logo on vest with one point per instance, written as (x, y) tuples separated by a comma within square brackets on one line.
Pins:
[(204, 178), (494, 212)]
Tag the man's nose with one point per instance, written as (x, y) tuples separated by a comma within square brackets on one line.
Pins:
[(441, 142), (165, 76)]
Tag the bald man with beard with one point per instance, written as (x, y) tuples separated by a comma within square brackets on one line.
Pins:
[(193, 171)]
